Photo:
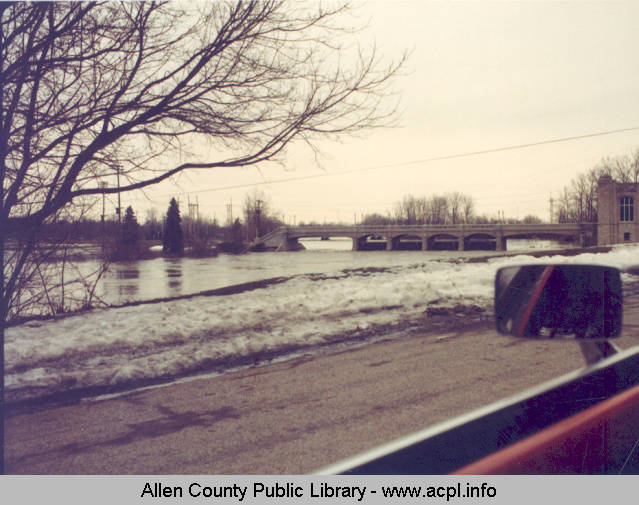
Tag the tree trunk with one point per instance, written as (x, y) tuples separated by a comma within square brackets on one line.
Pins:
[(3, 318)]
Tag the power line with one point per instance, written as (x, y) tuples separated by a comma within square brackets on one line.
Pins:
[(420, 161)]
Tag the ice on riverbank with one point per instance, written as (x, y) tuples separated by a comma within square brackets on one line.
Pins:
[(120, 346)]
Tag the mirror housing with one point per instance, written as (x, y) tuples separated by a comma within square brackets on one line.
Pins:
[(582, 302)]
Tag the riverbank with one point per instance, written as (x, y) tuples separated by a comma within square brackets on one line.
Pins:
[(141, 344), (435, 321)]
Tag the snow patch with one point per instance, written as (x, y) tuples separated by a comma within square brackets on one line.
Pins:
[(117, 346)]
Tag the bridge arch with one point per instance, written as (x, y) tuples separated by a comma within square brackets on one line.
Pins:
[(480, 242), (323, 235), (443, 242), (372, 242), (407, 242)]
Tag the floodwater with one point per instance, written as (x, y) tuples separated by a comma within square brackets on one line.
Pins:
[(166, 277)]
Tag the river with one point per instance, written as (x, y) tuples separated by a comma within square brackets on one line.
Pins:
[(166, 277)]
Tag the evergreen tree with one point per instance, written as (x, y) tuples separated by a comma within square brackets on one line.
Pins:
[(172, 242), (130, 228)]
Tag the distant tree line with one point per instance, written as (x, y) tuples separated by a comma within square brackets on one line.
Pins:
[(130, 239), (449, 208), (578, 201)]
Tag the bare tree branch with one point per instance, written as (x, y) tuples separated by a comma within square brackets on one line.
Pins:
[(88, 87), (89, 90)]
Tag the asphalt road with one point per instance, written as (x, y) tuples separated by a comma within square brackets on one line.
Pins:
[(292, 417)]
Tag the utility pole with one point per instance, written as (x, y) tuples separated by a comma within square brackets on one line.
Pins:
[(194, 214), (103, 185), (258, 211), (193, 210), (119, 209), (229, 213)]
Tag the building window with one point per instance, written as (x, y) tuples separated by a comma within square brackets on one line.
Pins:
[(626, 236), (626, 209)]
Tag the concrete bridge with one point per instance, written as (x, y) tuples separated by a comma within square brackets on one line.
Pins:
[(460, 237)]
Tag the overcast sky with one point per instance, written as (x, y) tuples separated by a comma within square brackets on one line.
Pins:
[(480, 76)]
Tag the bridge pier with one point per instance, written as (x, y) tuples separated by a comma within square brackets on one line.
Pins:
[(586, 240), (290, 244), (500, 242)]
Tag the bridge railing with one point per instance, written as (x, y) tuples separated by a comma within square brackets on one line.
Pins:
[(555, 226), (417, 228)]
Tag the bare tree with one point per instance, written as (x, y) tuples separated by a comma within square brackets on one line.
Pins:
[(579, 193), (591, 195), (260, 218), (94, 92), (619, 168), (565, 211), (468, 208), (53, 281), (623, 169), (376, 219), (578, 202), (407, 211), (635, 165), (438, 209), (97, 91), (531, 219), (454, 206), (422, 210)]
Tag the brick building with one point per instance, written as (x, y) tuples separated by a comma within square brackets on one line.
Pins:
[(616, 217)]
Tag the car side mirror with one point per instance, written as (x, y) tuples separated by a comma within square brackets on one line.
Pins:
[(581, 302)]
